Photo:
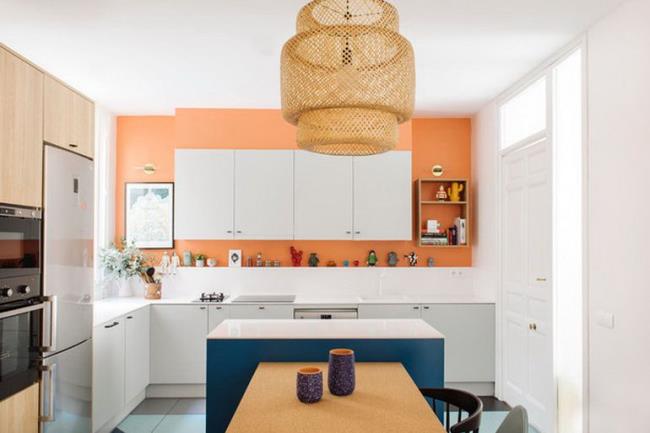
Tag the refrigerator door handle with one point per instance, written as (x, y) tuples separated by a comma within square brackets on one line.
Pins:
[(49, 369), (51, 347)]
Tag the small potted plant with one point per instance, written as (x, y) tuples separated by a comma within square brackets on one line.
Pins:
[(199, 260)]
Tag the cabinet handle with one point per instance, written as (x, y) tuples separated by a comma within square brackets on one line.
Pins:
[(238, 231), (219, 308), (541, 280), (416, 308), (229, 231), (348, 232), (202, 308), (49, 369), (74, 146), (112, 325), (260, 308), (357, 233), (425, 307), (532, 326), (129, 317)]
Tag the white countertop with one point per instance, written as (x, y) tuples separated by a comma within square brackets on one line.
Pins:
[(324, 329)]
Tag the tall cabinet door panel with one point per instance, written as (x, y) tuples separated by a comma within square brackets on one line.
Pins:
[(108, 371), (264, 194), (383, 196), (323, 196), (204, 194), (21, 131), (136, 353)]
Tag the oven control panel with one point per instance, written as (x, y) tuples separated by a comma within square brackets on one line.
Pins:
[(19, 288)]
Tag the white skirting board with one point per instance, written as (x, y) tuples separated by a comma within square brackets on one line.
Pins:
[(176, 391), (482, 389)]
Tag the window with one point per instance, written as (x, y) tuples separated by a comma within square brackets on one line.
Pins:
[(524, 115)]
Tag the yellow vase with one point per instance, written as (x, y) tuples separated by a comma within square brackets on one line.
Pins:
[(455, 190)]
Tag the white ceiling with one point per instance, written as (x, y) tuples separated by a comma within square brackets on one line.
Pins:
[(151, 56)]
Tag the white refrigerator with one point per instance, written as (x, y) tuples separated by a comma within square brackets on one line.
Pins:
[(68, 221)]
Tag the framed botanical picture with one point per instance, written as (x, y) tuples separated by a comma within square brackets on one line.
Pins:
[(149, 214)]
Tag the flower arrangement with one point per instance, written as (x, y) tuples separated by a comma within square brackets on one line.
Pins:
[(122, 263)]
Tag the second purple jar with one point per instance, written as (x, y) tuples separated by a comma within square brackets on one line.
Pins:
[(340, 376)]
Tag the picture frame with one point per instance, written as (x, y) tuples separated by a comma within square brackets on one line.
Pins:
[(149, 214)]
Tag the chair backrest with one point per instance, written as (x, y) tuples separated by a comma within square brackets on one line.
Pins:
[(515, 422), (463, 402)]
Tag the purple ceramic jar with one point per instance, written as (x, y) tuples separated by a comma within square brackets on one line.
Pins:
[(340, 377), (309, 384)]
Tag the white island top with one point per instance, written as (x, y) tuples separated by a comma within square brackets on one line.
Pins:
[(324, 329)]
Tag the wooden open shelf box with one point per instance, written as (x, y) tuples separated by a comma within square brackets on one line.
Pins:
[(443, 211)]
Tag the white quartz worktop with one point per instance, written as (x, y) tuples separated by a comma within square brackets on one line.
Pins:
[(111, 308), (324, 329)]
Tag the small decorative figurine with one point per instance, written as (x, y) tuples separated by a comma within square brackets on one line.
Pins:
[(296, 257), (313, 260), (212, 262), (346, 263), (176, 262), (249, 261), (356, 263), (455, 190), (372, 258), (430, 262), (441, 195), (258, 261), (331, 264), (412, 258), (392, 259), (187, 258), (165, 263)]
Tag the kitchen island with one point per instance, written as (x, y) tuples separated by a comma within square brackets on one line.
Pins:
[(236, 347)]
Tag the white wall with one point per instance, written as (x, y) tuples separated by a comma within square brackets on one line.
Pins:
[(619, 213)]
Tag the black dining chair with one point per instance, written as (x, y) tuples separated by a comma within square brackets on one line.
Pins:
[(462, 401)]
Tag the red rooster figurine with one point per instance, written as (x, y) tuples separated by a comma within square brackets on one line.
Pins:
[(296, 257)]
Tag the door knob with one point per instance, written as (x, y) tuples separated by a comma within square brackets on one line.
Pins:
[(541, 280)]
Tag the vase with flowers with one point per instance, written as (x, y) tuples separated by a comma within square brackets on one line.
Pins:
[(122, 264)]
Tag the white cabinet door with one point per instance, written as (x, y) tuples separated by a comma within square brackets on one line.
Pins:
[(203, 205), (216, 315), (389, 311), (178, 344), (323, 196), (136, 353), (469, 331), (108, 371), (264, 194), (259, 311), (383, 196)]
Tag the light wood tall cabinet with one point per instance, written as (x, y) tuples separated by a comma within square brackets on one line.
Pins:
[(21, 131), (19, 413), (69, 118)]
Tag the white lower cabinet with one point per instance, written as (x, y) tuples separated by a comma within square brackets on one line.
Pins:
[(136, 353), (108, 371), (389, 311), (469, 331), (258, 311), (178, 344), (216, 315)]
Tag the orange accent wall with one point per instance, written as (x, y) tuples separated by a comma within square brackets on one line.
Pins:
[(152, 139)]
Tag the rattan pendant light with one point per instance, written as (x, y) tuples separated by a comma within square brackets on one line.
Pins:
[(348, 77)]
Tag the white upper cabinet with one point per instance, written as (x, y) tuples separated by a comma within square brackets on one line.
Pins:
[(204, 194), (323, 196), (264, 194), (383, 196)]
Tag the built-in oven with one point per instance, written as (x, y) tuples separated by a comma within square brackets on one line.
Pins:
[(20, 254), (20, 340)]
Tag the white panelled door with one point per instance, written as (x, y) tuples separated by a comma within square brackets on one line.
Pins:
[(264, 194), (323, 196), (526, 278), (203, 207)]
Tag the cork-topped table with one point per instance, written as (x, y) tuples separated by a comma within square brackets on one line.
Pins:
[(386, 400)]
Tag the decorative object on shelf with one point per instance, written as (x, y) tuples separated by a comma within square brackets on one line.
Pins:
[(441, 195), (452, 236), (356, 263), (187, 258), (433, 226), (212, 262), (296, 257), (372, 258), (234, 258), (461, 230), (313, 260), (199, 260), (346, 263), (437, 170), (249, 262), (268, 263), (176, 263), (149, 218), (347, 77), (122, 264), (412, 258), (165, 263), (340, 375), (153, 291), (276, 263), (392, 259), (430, 262), (309, 384), (455, 190), (331, 264), (259, 263)]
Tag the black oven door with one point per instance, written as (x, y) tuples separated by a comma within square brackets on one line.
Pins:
[(20, 339), (20, 241)]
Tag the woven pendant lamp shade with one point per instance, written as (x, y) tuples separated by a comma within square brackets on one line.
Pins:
[(348, 77)]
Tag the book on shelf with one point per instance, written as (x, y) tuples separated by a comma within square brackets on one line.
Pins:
[(461, 231)]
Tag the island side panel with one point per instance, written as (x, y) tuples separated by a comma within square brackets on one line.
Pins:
[(231, 364)]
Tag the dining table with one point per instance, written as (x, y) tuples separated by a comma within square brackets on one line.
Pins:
[(385, 400)]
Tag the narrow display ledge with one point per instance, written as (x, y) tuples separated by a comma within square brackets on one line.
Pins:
[(324, 329)]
